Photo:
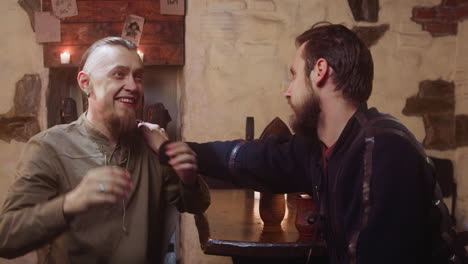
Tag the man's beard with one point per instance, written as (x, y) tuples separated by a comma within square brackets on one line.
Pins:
[(124, 125), (304, 122)]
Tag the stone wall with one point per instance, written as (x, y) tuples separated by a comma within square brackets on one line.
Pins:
[(20, 56), (442, 19), (238, 53)]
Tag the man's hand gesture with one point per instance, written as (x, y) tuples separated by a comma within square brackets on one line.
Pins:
[(181, 156), (103, 185), (155, 135), (183, 160)]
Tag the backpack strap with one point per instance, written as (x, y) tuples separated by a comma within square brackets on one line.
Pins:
[(369, 148), (369, 131), (369, 142)]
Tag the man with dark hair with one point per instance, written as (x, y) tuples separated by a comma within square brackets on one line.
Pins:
[(93, 191), (369, 179)]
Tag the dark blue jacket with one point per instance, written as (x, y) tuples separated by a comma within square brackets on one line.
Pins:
[(390, 227)]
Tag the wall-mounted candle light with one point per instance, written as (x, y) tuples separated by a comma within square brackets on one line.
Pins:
[(141, 54), (256, 195), (65, 57)]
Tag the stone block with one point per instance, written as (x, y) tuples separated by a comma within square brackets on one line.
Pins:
[(436, 89), (451, 14), (453, 2), (18, 128), (20, 123), (420, 106), (440, 131), (435, 101), (434, 97), (441, 20), (440, 29), (27, 95), (423, 14), (365, 10), (371, 35), (461, 130), (31, 6)]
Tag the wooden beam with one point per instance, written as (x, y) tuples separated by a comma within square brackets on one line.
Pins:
[(155, 54), (162, 40), (167, 54), (161, 32), (114, 11)]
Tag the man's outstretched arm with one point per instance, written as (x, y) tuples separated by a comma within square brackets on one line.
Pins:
[(278, 164)]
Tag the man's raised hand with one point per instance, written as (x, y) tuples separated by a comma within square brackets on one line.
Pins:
[(103, 185)]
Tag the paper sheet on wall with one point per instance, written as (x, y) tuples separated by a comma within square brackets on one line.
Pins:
[(64, 8), (173, 7), (133, 28), (47, 27)]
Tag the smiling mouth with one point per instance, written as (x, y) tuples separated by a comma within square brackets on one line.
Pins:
[(127, 100)]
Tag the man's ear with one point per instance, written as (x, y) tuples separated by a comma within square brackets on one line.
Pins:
[(83, 82), (320, 73)]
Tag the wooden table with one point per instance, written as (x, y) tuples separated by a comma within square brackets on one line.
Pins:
[(232, 227)]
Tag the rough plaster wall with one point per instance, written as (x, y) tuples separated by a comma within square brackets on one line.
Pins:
[(238, 55), (237, 59), (460, 76), (19, 55)]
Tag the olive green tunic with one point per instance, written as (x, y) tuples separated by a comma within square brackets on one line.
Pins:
[(53, 163)]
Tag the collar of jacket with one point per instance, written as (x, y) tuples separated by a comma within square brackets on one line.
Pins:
[(351, 126)]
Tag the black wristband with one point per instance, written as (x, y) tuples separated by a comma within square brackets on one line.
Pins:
[(163, 157)]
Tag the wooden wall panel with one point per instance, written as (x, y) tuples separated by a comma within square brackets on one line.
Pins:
[(162, 40), (153, 32), (52, 55), (155, 54), (113, 11)]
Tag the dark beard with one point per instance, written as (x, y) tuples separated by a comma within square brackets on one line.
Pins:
[(305, 119)]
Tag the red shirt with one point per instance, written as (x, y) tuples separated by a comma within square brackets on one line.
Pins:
[(326, 152)]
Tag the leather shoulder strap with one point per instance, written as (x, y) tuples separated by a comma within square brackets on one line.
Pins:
[(368, 132)]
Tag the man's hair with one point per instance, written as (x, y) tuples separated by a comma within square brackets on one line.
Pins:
[(109, 41), (345, 53)]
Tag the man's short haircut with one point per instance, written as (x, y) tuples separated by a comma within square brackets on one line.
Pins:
[(345, 53), (109, 41)]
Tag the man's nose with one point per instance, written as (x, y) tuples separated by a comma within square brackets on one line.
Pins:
[(132, 84)]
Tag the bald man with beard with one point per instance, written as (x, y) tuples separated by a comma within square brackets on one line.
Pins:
[(93, 191)]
